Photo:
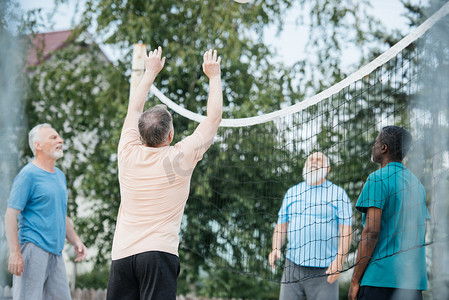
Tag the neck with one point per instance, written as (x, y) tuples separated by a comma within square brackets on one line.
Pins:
[(164, 144), (386, 160), (319, 182), (45, 163)]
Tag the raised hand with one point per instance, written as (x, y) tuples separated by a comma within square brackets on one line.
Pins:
[(211, 64), (153, 61)]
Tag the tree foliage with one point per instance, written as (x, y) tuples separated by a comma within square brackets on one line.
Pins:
[(81, 94), (237, 189)]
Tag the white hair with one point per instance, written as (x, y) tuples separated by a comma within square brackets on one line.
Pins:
[(34, 135)]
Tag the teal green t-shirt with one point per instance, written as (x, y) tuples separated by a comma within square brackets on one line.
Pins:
[(399, 258)]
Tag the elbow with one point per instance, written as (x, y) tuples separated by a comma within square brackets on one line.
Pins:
[(373, 235), (216, 120)]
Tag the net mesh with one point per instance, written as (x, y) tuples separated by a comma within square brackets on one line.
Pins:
[(238, 188)]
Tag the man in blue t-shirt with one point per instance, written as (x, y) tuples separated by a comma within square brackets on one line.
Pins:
[(316, 217), (36, 222), (391, 257)]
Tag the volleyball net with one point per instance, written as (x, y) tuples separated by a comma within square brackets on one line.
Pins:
[(239, 187)]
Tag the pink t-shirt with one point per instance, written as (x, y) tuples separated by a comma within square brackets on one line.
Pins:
[(154, 187)]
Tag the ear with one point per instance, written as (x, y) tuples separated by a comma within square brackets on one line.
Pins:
[(37, 146), (384, 148), (328, 169), (171, 135)]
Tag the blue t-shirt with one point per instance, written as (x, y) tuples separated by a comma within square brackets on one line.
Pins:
[(399, 258), (42, 199), (314, 213)]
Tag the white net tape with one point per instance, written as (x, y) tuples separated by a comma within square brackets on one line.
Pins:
[(364, 71)]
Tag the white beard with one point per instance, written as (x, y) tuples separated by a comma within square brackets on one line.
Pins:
[(315, 175), (57, 154)]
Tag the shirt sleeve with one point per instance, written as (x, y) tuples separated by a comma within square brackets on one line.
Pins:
[(374, 194), (20, 192), (344, 209), (130, 137), (192, 148), (283, 215)]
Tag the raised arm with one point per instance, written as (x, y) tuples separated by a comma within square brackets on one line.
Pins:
[(368, 242), (344, 242), (279, 237), (211, 67), (153, 65)]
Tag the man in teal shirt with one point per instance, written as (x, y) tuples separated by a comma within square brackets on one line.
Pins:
[(391, 258)]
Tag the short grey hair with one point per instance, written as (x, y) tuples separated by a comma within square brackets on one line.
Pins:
[(155, 125), (34, 135), (398, 140)]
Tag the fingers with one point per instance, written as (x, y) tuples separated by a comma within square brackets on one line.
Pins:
[(332, 278), (333, 275), (81, 252), (207, 55), (211, 56), (272, 259), (15, 269), (156, 52), (15, 264)]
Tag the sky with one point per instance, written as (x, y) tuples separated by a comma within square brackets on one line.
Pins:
[(389, 11)]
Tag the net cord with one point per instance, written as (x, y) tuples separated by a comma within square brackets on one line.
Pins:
[(364, 71)]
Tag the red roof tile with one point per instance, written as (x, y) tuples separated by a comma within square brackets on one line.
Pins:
[(45, 44)]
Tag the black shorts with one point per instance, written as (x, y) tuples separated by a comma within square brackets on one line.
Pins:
[(383, 293), (144, 276)]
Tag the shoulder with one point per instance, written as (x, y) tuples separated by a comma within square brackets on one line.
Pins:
[(414, 181), (296, 189), (27, 171), (377, 175), (129, 135), (59, 172), (333, 187), (193, 140)]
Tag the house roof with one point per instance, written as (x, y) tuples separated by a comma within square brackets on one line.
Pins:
[(44, 44)]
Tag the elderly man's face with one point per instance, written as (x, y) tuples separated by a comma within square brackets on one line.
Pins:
[(50, 143), (316, 161), (315, 169)]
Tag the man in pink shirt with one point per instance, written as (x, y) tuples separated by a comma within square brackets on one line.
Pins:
[(154, 186)]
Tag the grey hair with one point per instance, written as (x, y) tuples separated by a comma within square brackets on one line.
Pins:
[(398, 140), (155, 125), (34, 136)]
